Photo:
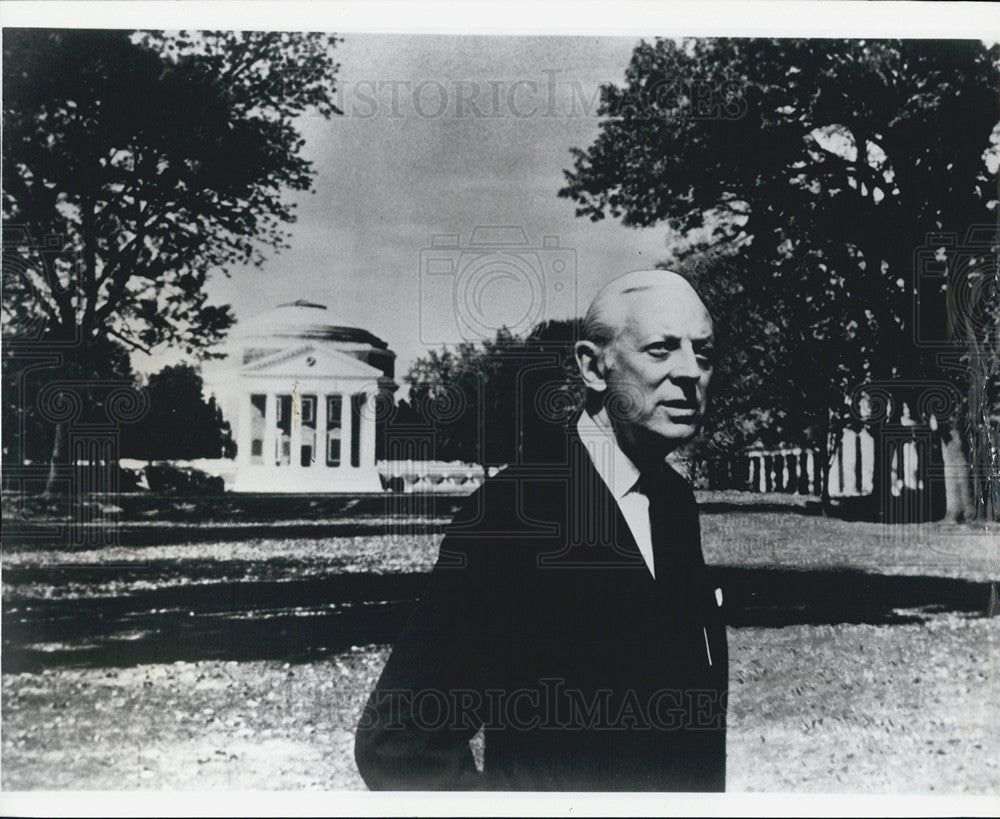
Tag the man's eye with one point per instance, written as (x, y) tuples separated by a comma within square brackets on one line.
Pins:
[(706, 355), (661, 348)]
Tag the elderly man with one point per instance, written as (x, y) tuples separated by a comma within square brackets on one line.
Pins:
[(569, 615)]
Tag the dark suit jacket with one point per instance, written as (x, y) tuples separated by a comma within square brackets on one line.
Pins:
[(543, 625)]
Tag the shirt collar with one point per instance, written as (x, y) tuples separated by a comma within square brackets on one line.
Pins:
[(615, 467)]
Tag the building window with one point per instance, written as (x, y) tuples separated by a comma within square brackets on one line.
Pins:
[(309, 410), (357, 402), (258, 406), (334, 410)]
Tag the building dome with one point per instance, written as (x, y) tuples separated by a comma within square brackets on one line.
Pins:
[(300, 320), (305, 320)]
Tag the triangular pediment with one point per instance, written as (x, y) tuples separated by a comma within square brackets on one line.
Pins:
[(311, 361)]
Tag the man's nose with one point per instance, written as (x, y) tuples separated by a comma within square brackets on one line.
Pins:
[(685, 364)]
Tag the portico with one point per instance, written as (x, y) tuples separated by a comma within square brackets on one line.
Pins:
[(304, 403)]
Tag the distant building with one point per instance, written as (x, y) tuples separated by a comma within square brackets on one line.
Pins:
[(299, 387), (906, 488)]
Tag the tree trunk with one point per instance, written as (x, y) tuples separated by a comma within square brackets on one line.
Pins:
[(958, 498), (58, 454)]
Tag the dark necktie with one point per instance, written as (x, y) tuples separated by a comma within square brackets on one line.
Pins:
[(681, 578), (673, 530)]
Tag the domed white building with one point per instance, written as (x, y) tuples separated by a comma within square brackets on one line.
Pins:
[(299, 387)]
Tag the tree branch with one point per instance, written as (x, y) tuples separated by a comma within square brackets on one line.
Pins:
[(135, 344)]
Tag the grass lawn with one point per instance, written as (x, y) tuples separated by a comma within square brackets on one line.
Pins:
[(860, 657)]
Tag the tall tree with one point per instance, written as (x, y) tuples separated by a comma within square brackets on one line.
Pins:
[(135, 165), (824, 170)]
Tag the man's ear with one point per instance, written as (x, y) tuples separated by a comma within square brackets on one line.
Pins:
[(590, 360)]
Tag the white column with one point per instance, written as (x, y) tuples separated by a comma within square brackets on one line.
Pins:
[(849, 447), (868, 463), (761, 476), (295, 431), (367, 421), (270, 429), (910, 465), (811, 471), (321, 430), (345, 428)]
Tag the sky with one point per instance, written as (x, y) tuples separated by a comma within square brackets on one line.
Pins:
[(442, 135)]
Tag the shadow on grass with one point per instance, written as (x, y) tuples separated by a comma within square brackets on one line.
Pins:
[(298, 620), (55, 536), (809, 508), (130, 535), (34, 509)]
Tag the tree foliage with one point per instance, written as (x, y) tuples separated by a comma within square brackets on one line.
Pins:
[(503, 401), (27, 436), (181, 423), (822, 173), (135, 165)]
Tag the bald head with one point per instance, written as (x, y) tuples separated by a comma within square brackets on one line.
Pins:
[(611, 308), (646, 357)]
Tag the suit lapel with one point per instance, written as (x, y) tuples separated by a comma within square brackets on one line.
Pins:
[(595, 519)]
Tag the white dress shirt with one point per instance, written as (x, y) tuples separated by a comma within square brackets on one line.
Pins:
[(621, 477)]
